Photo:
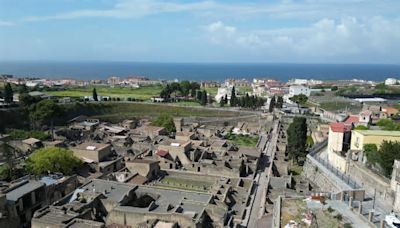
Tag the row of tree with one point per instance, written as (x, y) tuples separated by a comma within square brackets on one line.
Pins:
[(7, 93), (184, 88), (246, 101), (275, 103), (202, 97)]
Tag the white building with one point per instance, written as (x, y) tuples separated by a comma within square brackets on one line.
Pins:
[(391, 81), (298, 81), (298, 89), (222, 92)]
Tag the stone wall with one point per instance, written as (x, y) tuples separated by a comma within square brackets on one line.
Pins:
[(371, 182), (322, 177), (276, 216), (124, 215)]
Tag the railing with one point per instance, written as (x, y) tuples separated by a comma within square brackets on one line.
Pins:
[(345, 178), (318, 147)]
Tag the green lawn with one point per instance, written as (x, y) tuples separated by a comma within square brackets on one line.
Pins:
[(243, 140), (145, 92), (185, 184)]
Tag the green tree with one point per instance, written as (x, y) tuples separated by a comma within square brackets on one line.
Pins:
[(226, 99), (23, 89), (222, 102), (372, 154), (94, 94), (389, 151), (7, 169), (27, 100), (52, 159), (199, 94), (185, 87), (388, 125), (297, 138), (300, 99), (166, 92), (175, 87), (271, 104), (203, 98), (279, 102), (334, 88), (233, 97), (8, 93), (166, 121), (44, 112), (194, 86)]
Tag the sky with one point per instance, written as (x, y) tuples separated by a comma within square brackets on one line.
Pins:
[(271, 31)]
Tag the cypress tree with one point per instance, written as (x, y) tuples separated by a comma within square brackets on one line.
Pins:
[(246, 101), (94, 94), (279, 103), (198, 95), (272, 104), (222, 102), (233, 97), (204, 98), (8, 93)]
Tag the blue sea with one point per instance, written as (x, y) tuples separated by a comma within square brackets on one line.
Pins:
[(198, 71)]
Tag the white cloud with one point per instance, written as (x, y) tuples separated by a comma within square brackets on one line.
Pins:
[(348, 37)]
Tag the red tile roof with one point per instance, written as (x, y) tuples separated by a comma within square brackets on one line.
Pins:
[(352, 119), (162, 153), (340, 127)]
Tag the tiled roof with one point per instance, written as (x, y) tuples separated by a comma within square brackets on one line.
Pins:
[(352, 119), (340, 127), (162, 153)]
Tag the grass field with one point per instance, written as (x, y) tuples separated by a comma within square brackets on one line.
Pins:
[(185, 184), (243, 140), (145, 92), (340, 106), (188, 104), (115, 112)]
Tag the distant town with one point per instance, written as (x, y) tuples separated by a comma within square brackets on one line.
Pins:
[(137, 152)]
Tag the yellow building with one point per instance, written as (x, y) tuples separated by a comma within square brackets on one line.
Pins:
[(361, 137)]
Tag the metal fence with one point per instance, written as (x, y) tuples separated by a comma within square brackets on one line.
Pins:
[(318, 147), (344, 177)]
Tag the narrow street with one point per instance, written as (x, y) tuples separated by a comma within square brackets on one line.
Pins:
[(261, 180)]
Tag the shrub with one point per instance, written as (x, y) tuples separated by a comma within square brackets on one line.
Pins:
[(22, 134), (339, 217), (347, 225)]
